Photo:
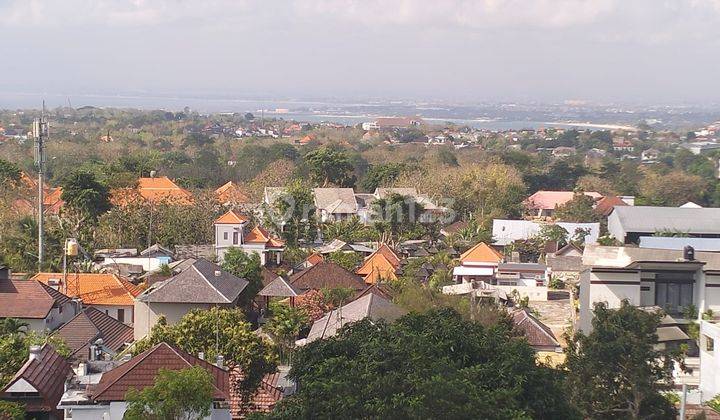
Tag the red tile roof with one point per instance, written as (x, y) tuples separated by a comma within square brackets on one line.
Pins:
[(46, 373), (231, 218), (28, 299), (548, 200), (96, 289), (263, 400), (230, 192), (326, 275), (258, 235), (606, 204), (91, 324), (481, 252), (141, 370)]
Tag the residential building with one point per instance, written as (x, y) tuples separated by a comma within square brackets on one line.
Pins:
[(231, 194), (539, 336), (149, 259), (667, 279), (153, 190), (505, 232), (565, 264), (81, 334), (701, 147), (370, 306), (679, 243), (650, 156), (709, 359), (605, 205), (381, 265), (40, 306), (521, 274), (203, 285), (478, 263), (628, 224), (334, 204), (233, 230), (326, 275), (543, 203), (109, 293), (398, 122), (105, 398), (39, 383)]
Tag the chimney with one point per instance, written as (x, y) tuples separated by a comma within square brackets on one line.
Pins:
[(82, 369), (201, 355), (152, 174), (220, 361), (218, 273), (688, 253), (34, 352)]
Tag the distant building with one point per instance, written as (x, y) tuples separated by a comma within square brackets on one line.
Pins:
[(700, 147), (628, 224), (398, 122), (543, 203), (505, 232)]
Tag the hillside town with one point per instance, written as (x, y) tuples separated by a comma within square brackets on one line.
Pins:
[(255, 259)]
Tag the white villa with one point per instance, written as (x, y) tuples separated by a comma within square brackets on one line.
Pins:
[(232, 230)]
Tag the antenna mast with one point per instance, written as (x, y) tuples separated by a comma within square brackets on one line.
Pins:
[(40, 134)]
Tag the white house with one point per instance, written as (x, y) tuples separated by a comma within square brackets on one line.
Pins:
[(709, 359), (232, 230)]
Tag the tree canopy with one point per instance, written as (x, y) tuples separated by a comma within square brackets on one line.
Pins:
[(246, 266)]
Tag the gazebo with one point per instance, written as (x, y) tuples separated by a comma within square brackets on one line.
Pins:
[(279, 288)]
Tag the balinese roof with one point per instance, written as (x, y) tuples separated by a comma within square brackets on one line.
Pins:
[(505, 231), (336, 200), (454, 227), (314, 258), (231, 218), (202, 282), (605, 205), (46, 373), (141, 370), (481, 252), (376, 268), (230, 192), (548, 200), (649, 219), (369, 306), (326, 275), (267, 395), (52, 201), (162, 188), (28, 299), (267, 275), (279, 288), (91, 324), (258, 235), (380, 289), (95, 288), (538, 335)]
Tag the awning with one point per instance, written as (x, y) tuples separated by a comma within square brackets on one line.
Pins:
[(473, 271)]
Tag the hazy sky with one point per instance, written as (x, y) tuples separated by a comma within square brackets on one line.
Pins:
[(476, 50)]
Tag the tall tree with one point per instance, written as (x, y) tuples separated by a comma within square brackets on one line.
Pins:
[(176, 394), (9, 173), (330, 166), (579, 209), (246, 266), (615, 371), (294, 214)]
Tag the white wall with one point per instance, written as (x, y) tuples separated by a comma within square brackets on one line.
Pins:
[(534, 293), (112, 310), (614, 227), (612, 294), (709, 361), (147, 314), (116, 411), (53, 320), (147, 264)]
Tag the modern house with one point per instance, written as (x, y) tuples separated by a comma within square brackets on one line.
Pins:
[(543, 203), (478, 263), (505, 232), (38, 305), (628, 224), (655, 278), (709, 359), (109, 293), (334, 204), (370, 306), (233, 230), (105, 398), (39, 383), (93, 335), (201, 286)]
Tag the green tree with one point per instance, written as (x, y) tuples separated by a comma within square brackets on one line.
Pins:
[(329, 166), (396, 214), (12, 410), (294, 214), (615, 371), (9, 173), (578, 210), (15, 348), (347, 260), (218, 331), (83, 193), (176, 394), (246, 266), (382, 175), (431, 365), (285, 325)]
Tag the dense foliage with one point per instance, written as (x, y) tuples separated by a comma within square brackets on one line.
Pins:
[(246, 266)]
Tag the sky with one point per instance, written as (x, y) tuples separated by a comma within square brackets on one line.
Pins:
[(639, 51)]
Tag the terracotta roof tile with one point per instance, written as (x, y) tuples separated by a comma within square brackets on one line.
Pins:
[(89, 325), (606, 204), (326, 275), (377, 268), (263, 400), (230, 192), (481, 252), (96, 289), (231, 218), (28, 299)]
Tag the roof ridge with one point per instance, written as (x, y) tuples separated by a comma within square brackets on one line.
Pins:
[(142, 356), (210, 284)]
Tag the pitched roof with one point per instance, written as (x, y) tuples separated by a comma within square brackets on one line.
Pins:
[(370, 306), (481, 252), (335, 200), (605, 205), (91, 324), (326, 275), (162, 188), (141, 370), (95, 288), (28, 299), (538, 335), (46, 373), (649, 219), (231, 218), (314, 258), (377, 268), (386, 192), (258, 235), (202, 282), (267, 395), (505, 231), (380, 289), (548, 200), (230, 192), (279, 288)]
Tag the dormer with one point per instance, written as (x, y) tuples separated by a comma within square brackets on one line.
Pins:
[(229, 229)]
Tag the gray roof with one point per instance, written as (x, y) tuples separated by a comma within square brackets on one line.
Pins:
[(336, 200), (564, 263), (279, 288), (156, 249), (513, 266), (508, 231), (620, 256), (385, 192), (651, 219), (662, 242), (369, 306), (202, 282)]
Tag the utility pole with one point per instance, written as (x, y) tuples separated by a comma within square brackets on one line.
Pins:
[(40, 134)]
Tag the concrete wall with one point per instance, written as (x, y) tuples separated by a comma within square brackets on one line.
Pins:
[(534, 293), (147, 314), (591, 292), (54, 320), (147, 264), (615, 228), (116, 411), (112, 310), (709, 360)]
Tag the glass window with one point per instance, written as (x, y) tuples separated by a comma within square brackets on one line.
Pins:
[(709, 344)]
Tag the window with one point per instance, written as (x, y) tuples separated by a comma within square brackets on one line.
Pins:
[(225, 236), (709, 344), (121, 315), (236, 238), (674, 291)]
